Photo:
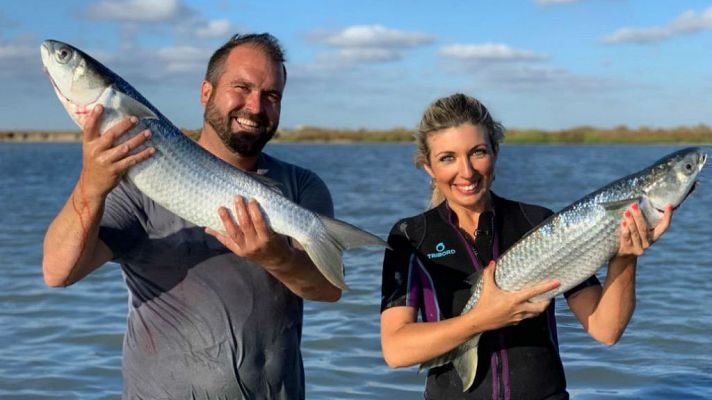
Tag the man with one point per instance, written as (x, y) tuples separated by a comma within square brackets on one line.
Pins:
[(211, 315)]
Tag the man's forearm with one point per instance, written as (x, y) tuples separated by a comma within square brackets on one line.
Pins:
[(302, 277), (71, 240)]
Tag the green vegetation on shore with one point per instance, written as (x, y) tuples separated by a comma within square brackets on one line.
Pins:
[(583, 135)]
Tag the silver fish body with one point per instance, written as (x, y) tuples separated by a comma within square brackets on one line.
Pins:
[(183, 177), (571, 245)]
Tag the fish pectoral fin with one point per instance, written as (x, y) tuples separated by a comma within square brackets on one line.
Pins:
[(267, 181), (473, 279), (464, 359), (466, 367), (617, 207), (131, 106)]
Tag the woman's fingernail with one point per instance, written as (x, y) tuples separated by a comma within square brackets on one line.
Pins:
[(635, 206), (627, 213)]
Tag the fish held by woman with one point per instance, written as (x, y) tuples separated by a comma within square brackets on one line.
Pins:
[(571, 245), (183, 177)]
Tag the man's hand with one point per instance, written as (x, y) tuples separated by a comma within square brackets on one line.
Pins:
[(104, 164), (249, 236)]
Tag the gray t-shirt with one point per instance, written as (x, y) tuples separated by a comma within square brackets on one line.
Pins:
[(204, 323)]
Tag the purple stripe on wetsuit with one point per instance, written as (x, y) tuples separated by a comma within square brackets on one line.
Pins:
[(495, 384), (430, 304), (421, 292), (413, 298)]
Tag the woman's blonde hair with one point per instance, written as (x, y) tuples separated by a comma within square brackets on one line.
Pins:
[(449, 112)]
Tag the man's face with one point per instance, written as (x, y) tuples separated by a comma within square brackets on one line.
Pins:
[(243, 108)]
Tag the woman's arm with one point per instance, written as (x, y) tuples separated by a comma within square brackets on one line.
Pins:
[(605, 311), (406, 342)]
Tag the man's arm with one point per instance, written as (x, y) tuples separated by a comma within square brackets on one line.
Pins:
[(72, 248), (250, 237)]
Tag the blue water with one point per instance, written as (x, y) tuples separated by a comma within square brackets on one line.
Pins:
[(66, 343)]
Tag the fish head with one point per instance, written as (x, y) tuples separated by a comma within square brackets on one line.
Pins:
[(77, 78), (670, 181), (82, 83)]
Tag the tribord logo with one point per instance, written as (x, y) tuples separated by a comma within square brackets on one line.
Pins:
[(441, 251)]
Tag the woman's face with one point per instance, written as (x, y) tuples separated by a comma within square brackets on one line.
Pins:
[(462, 165)]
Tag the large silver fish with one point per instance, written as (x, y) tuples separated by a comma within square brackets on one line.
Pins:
[(183, 177), (573, 244)]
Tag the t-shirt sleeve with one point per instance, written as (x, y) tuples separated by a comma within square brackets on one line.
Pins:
[(314, 195), (398, 264), (121, 228)]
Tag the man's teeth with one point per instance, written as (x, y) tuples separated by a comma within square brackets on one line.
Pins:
[(248, 123)]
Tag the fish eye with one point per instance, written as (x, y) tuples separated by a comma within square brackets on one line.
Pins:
[(63, 55)]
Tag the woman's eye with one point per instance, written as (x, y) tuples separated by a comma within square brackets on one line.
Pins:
[(446, 158)]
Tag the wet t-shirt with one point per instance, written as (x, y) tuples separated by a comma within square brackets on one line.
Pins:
[(204, 323)]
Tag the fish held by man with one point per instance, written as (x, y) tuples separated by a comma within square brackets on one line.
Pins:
[(571, 245), (183, 177)]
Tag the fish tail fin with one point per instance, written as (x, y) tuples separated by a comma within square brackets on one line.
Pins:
[(327, 253), (463, 358)]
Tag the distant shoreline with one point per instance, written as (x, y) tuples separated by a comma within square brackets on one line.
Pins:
[(699, 134)]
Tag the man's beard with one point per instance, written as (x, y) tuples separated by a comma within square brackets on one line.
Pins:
[(244, 144)]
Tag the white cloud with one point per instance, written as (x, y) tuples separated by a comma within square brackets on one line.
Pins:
[(376, 36), (12, 52), (687, 22), (183, 59), (366, 44), (536, 79), (357, 56), (135, 10), (489, 52), (19, 59), (217, 28)]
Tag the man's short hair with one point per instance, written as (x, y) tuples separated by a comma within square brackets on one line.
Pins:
[(262, 41)]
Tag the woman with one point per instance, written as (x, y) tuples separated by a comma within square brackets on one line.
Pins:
[(433, 254)]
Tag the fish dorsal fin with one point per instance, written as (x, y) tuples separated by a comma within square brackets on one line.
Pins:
[(617, 207), (267, 181)]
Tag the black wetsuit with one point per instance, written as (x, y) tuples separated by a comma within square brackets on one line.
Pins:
[(428, 269)]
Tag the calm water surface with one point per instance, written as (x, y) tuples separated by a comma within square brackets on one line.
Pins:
[(66, 343)]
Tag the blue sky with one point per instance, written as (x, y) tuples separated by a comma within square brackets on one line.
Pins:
[(549, 64)]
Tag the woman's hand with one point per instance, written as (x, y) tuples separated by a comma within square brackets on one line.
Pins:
[(497, 308), (637, 235)]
